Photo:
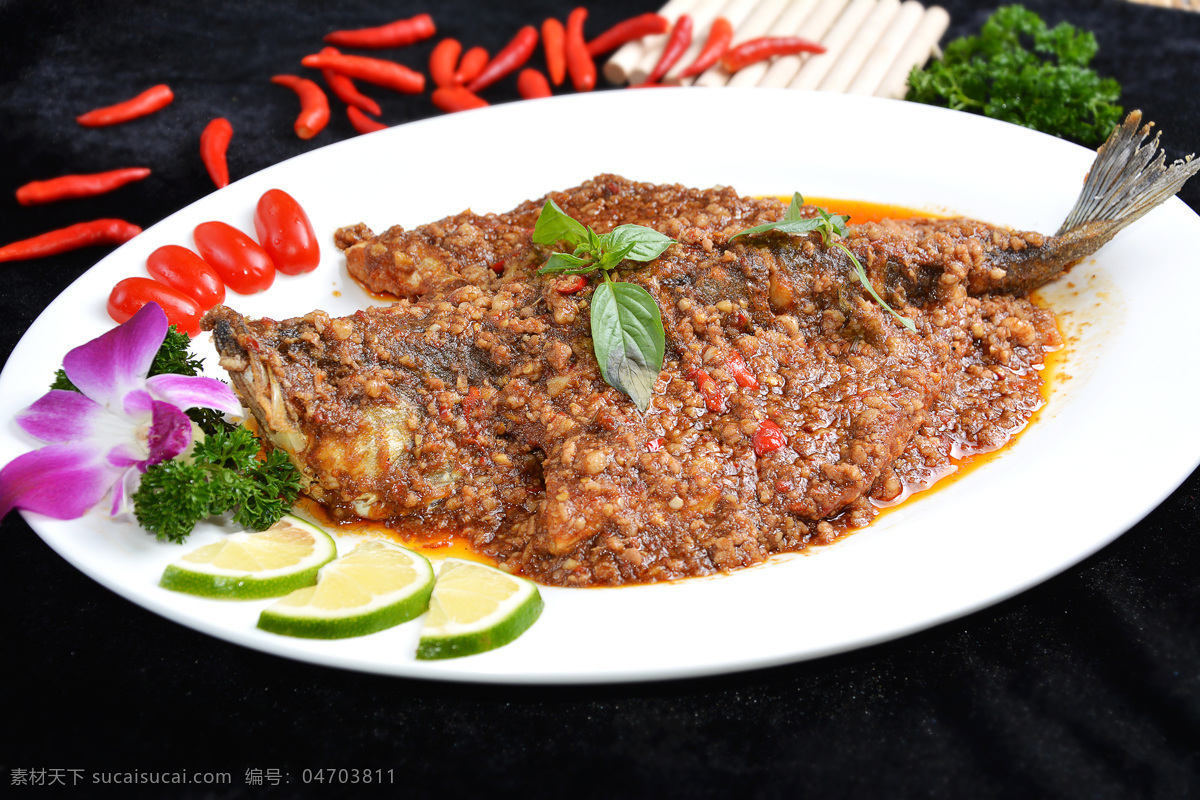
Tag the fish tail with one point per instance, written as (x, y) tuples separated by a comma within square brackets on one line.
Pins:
[(1125, 181)]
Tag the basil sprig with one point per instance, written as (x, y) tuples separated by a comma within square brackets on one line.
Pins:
[(792, 222), (627, 330), (828, 225)]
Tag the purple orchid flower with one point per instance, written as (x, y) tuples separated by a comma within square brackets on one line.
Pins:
[(101, 441)]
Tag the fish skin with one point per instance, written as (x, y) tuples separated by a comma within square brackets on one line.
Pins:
[(347, 400), (513, 436)]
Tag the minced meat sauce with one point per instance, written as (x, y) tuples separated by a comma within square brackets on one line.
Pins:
[(790, 406)]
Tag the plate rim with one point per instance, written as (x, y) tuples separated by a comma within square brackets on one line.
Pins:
[(450, 672)]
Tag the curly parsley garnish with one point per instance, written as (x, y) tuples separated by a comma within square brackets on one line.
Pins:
[(1049, 88), (627, 330), (224, 473), (828, 225)]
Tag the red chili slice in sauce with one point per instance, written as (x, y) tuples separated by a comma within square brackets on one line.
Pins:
[(571, 284), (714, 398), (742, 375), (768, 438)]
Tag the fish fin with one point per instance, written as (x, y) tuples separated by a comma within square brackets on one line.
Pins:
[(1126, 181)]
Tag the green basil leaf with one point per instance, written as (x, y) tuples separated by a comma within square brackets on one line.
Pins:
[(628, 338), (792, 223), (565, 262), (611, 258), (783, 226), (793, 209), (638, 242), (836, 224), (595, 244), (553, 226)]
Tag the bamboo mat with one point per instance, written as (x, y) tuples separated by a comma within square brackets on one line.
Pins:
[(1183, 5), (871, 45)]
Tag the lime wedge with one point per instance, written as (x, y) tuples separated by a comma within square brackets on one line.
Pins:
[(377, 585), (475, 608), (249, 566)]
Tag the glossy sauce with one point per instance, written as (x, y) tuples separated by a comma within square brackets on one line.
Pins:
[(435, 545), (446, 544), (861, 211)]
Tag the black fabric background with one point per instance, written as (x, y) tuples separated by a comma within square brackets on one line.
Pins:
[(1085, 686)]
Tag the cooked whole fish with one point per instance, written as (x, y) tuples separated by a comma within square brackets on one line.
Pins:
[(474, 403)]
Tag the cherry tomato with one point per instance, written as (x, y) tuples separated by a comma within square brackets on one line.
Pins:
[(128, 297), (182, 269), (285, 233), (242, 264)]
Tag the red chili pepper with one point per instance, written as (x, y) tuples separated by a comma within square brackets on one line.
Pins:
[(580, 65), (443, 61), (395, 34), (531, 84), (764, 47), (242, 264), (387, 74), (627, 31), (677, 43), (511, 58), (742, 375), (714, 398), (129, 295), (314, 105), (362, 123), (147, 102), (72, 237), (572, 284), (768, 438), (473, 62), (654, 445), (456, 98), (553, 45), (72, 187), (184, 271), (498, 265), (719, 37), (345, 90), (214, 142)]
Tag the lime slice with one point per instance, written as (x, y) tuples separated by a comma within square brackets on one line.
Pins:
[(475, 608), (248, 566), (377, 585)]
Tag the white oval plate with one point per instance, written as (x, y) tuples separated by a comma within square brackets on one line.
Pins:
[(1066, 489)]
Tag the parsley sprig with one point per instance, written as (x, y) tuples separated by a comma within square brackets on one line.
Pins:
[(828, 225), (1020, 71), (627, 330), (223, 473)]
